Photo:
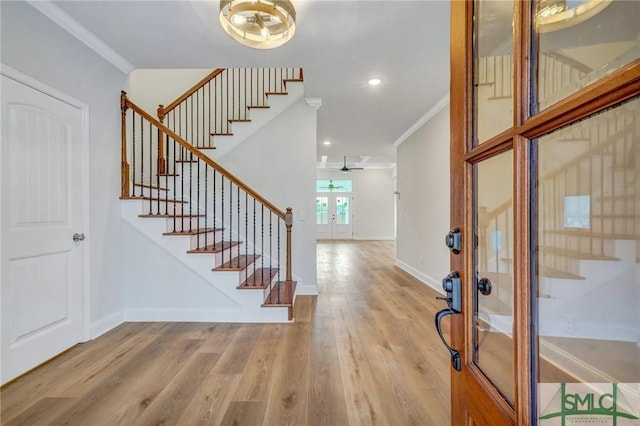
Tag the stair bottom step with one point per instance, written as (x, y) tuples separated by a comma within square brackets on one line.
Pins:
[(281, 294)]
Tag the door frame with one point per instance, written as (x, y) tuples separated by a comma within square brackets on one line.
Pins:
[(85, 193), (332, 204), (469, 388)]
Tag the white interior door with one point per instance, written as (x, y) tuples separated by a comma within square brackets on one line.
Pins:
[(334, 216), (42, 297)]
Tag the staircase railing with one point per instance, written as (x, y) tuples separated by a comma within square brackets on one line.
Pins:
[(224, 96), (603, 169), (220, 210)]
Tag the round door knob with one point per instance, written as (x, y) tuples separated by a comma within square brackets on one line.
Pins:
[(484, 286), (78, 237)]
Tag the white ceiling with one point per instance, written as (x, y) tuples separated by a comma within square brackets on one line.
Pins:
[(339, 44)]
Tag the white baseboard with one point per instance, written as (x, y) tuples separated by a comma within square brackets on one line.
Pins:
[(426, 279), (306, 289), (574, 366), (263, 315), (373, 238), (98, 328)]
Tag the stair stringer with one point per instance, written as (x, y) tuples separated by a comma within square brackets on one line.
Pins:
[(259, 118), (247, 303)]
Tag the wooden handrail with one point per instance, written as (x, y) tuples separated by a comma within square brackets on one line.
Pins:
[(186, 145), (162, 110)]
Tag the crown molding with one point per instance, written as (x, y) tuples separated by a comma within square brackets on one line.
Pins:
[(72, 26), (439, 106)]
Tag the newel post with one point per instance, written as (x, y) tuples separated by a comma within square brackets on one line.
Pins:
[(124, 165), (161, 160), (288, 221)]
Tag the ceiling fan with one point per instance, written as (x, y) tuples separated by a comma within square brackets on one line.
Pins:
[(346, 169)]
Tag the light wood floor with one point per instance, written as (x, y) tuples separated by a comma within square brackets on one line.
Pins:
[(363, 352)]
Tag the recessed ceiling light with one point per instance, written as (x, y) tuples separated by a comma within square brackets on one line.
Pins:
[(374, 81), (327, 142)]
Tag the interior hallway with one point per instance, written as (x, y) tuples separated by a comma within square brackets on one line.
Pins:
[(365, 351)]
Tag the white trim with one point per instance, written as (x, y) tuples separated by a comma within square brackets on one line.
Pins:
[(439, 106), (66, 22), (86, 216), (374, 238), (573, 365), (306, 290), (431, 282), (153, 314), (108, 323)]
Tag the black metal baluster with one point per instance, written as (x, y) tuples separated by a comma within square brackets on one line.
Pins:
[(175, 185), (166, 176), (151, 151), (279, 264), (214, 209), (246, 227), (230, 218), (190, 190), (238, 224), (206, 206), (262, 239), (133, 152), (197, 204), (222, 219), (254, 236), (270, 249)]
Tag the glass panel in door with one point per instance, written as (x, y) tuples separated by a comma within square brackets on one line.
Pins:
[(493, 299), (581, 41), (493, 68), (588, 266)]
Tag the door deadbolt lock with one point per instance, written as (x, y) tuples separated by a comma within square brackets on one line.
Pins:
[(78, 237), (453, 240)]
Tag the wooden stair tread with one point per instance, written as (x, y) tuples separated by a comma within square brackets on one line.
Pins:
[(258, 106), (286, 290), (575, 254), (167, 174), (170, 216), (261, 278), (205, 147), (186, 161), (191, 232), (166, 200), (548, 272), (276, 93), (144, 185), (217, 248), (221, 134), (239, 120), (237, 263)]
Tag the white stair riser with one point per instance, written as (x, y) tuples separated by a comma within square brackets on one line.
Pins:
[(179, 224)]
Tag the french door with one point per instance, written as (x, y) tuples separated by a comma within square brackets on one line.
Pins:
[(545, 162), (334, 216)]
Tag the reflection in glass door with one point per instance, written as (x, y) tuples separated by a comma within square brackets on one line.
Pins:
[(334, 216)]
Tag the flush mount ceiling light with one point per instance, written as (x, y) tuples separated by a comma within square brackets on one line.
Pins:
[(261, 24), (554, 15), (374, 81)]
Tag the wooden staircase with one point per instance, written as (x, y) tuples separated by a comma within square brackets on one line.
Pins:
[(172, 190)]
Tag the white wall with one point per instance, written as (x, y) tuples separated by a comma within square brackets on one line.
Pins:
[(423, 207), (37, 47), (150, 88), (279, 162), (373, 202)]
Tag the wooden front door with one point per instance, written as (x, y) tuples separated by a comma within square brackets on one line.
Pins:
[(545, 163)]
